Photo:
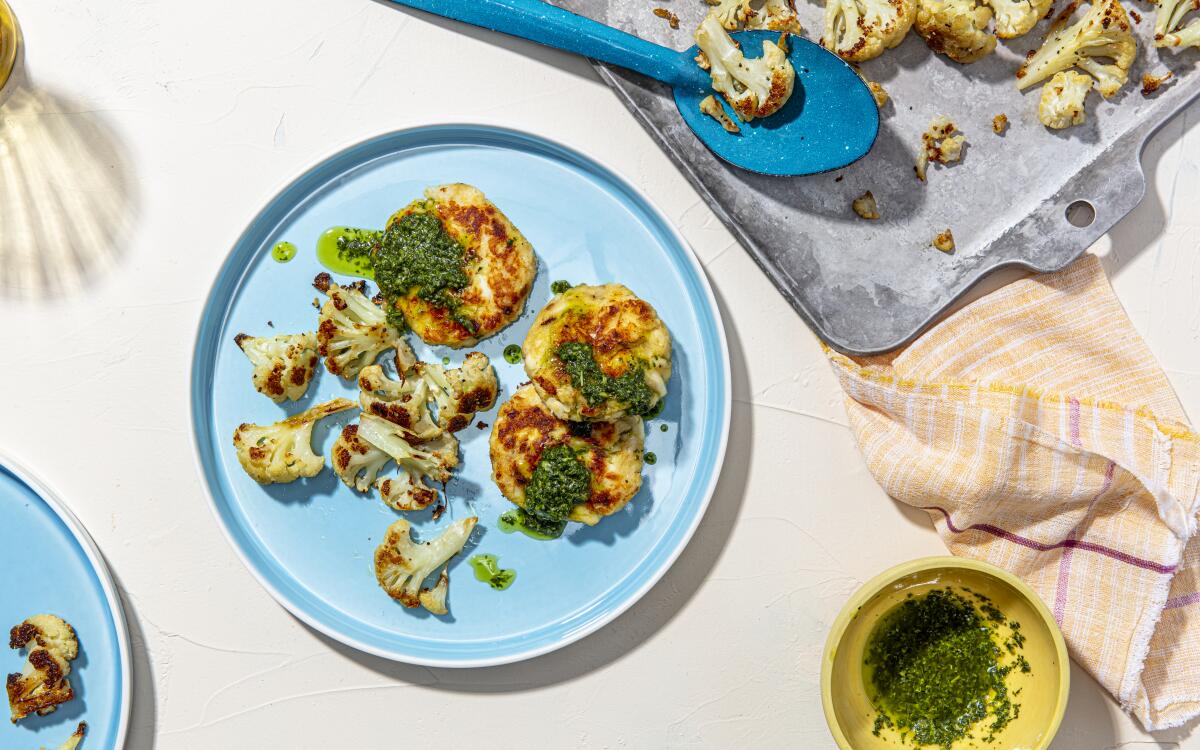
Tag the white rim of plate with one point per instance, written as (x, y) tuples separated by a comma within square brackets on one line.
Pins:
[(601, 620)]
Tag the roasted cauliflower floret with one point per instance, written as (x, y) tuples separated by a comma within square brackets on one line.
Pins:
[(1169, 29), (939, 144), (282, 452), (957, 29), (50, 645), (432, 460), (1102, 34), (768, 15), (858, 30), (353, 331), (754, 87), (1017, 17), (356, 461), (283, 365), (402, 565), (461, 392), (402, 402), (1063, 98)]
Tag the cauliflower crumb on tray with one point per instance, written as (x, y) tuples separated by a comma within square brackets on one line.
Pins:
[(939, 144), (42, 686), (1000, 124), (1152, 83), (865, 206), (944, 241), (671, 19)]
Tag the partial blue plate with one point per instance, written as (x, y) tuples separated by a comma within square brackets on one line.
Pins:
[(49, 564), (311, 542)]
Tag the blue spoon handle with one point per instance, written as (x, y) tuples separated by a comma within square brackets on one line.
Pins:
[(547, 24)]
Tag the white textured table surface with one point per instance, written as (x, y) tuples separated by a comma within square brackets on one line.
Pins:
[(182, 119)]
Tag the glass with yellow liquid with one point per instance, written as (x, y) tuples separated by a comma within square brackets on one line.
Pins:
[(10, 38)]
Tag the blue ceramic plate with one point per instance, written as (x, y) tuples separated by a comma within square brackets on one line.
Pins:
[(48, 564), (311, 542)]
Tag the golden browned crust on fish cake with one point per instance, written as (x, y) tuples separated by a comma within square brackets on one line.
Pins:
[(623, 330), (524, 428), (499, 262)]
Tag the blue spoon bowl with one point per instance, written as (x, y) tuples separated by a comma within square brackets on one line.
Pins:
[(830, 121)]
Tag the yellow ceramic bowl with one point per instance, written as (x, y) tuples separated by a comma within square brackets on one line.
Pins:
[(1043, 696)]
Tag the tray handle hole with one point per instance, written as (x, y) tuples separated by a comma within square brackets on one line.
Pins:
[(1081, 214)]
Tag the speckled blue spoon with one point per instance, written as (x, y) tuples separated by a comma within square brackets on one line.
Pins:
[(830, 120)]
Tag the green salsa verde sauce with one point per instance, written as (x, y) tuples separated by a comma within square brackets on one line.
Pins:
[(283, 252), (596, 386), (560, 286), (488, 571), (560, 481), (936, 671), (417, 252), (513, 354)]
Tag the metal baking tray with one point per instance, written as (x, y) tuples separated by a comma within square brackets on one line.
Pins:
[(871, 286)]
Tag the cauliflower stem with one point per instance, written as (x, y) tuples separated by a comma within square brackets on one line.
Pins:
[(1169, 29), (754, 87), (282, 452), (1103, 33), (402, 564)]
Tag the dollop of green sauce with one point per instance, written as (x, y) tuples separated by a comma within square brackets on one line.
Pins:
[(513, 354), (518, 520), (650, 457), (417, 252), (560, 481), (283, 252), (488, 571), (934, 669), (596, 386), (663, 427), (445, 361), (560, 286)]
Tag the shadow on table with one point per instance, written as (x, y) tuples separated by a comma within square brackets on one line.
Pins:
[(68, 201), (564, 61), (629, 631), (143, 714)]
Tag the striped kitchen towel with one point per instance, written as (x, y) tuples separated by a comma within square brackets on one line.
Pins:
[(1039, 433)]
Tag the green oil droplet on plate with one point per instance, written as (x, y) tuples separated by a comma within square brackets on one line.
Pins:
[(513, 354), (283, 252), (351, 257)]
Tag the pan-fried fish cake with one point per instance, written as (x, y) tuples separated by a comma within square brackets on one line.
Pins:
[(598, 353), (524, 430), (464, 290)]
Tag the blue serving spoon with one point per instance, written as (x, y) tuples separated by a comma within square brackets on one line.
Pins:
[(831, 119)]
